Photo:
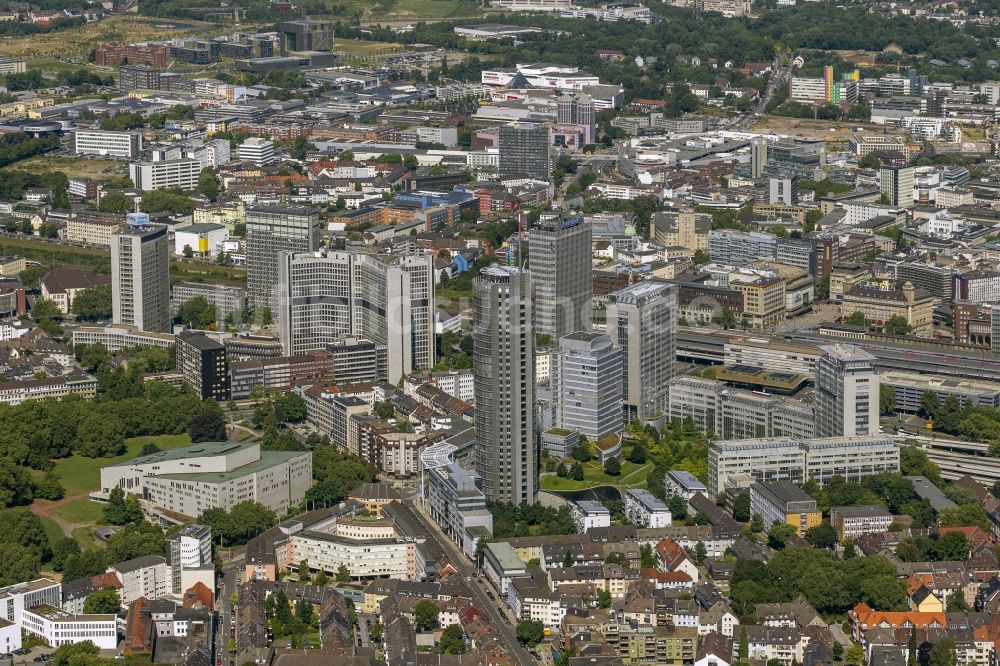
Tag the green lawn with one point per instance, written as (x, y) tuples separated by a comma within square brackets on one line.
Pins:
[(79, 474), (632, 476), (52, 530), (433, 8), (80, 511), (85, 537)]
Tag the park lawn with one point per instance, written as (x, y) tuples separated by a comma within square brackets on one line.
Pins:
[(73, 167), (85, 537), (80, 511), (79, 474), (433, 8), (632, 476), (364, 47), (52, 529)]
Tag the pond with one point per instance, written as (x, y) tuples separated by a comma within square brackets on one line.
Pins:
[(598, 493)]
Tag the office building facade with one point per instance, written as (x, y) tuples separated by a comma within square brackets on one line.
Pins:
[(896, 185), (524, 149), (559, 251), (642, 321), (201, 360), (388, 300), (101, 142), (140, 275), (272, 230), (587, 385), (504, 369), (847, 392), (180, 173)]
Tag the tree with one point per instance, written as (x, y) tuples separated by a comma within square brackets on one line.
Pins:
[(102, 601), (77, 654), (198, 313), (869, 161), (744, 651), (61, 550), (678, 507), (700, 553), (304, 612), (148, 449), (897, 325), (856, 318), (299, 148), (208, 183), (187, 252), (22, 527), (956, 603), (953, 546), (100, 435), (282, 609), (425, 615), (741, 507), (943, 653), (576, 472), (822, 536), (757, 523), (452, 640), (638, 454), (701, 257), (964, 516), (45, 308), (581, 452), (886, 399), (117, 203), (780, 534), (530, 632), (568, 560), (17, 564), (93, 304), (209, 426), (855, 655), (343, 574), (612, 467), (114, 509), (49, 487)]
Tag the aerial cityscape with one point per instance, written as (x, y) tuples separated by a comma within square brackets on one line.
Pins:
[(500, 333)]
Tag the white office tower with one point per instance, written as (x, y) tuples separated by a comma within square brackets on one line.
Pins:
[(387, 299), (504, 375), (257, 150), (272, 230), (642, 321), (140, 274), (189, 556), (587, 385), (847, 392)]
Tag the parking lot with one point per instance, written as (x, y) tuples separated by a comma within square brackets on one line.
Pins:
[(37, 654)]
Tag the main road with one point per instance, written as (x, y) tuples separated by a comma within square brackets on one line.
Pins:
[(476, 587)]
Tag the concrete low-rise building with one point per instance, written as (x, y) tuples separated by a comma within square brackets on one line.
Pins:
[(644, 509), (784, 502), (57, 627), (588, 514), (147, 577), (368, 545), (457, 504), (501, 564), (852, 522), (683, 483), (190, 480)]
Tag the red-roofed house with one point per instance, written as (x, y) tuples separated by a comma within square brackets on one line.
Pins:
[(671, 557), (864, 618), (666, 579), (199, 596)]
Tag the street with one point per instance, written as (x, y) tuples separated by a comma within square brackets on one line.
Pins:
[(476, 587)]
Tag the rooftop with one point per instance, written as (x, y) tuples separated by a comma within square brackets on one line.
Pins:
[(203, 449), (267, 460)]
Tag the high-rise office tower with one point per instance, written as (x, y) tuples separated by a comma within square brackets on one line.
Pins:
[(758, 157), (387, 299), (587, 384), (202, 362), (642, 321), (897, 185), (270, 231), (559, 252), (847, 392), (140, 274), (578, 109), (784, 189), (504, 381), (524, 149)]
